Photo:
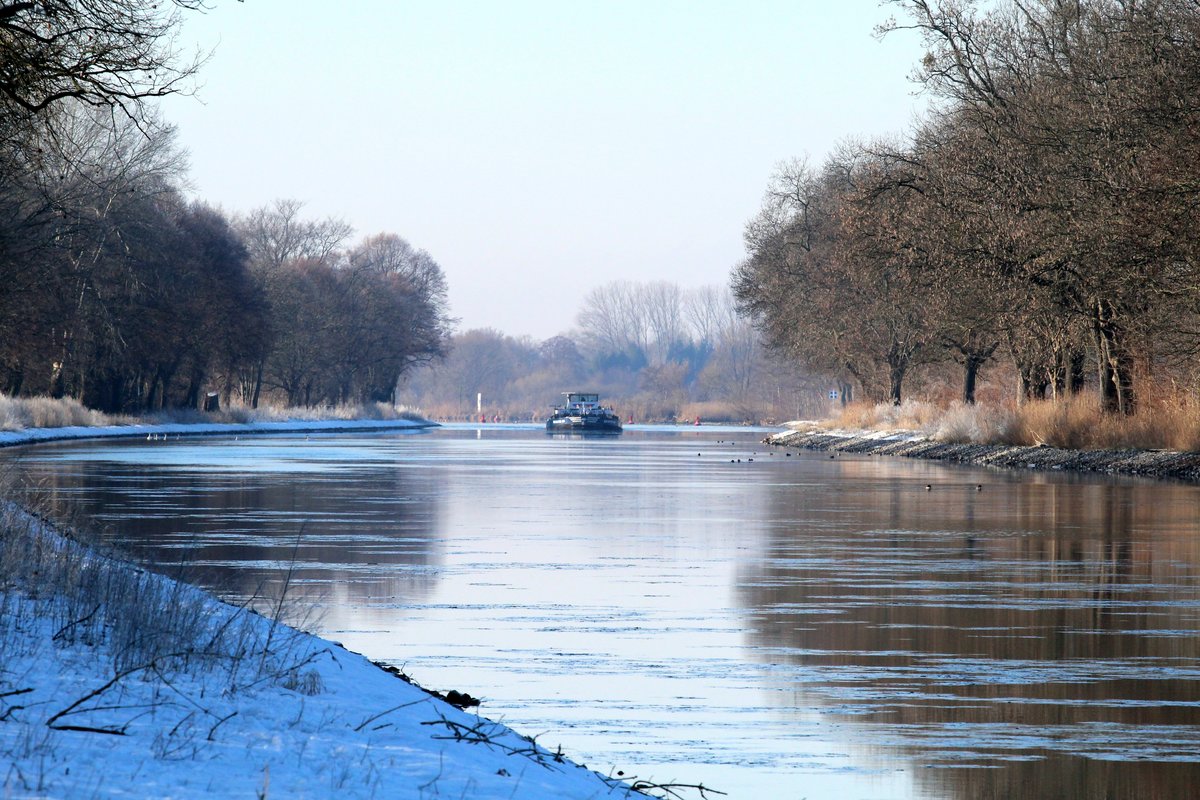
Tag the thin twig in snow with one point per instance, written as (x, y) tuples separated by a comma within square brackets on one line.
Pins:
[(63, 630), (213, 730), (371, 719)]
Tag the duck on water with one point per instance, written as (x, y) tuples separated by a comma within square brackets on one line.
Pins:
[(582, 413)]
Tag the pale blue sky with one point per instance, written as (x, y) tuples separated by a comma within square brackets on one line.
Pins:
[(536, 149)]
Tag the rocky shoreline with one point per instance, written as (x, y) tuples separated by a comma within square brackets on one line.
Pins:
[(1166, 464)]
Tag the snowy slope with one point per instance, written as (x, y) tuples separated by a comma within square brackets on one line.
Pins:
[(118, 683), (364, 733)]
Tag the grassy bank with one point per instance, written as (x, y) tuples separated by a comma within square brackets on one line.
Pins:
[(1076, 423), (1074, 436), (24, 413)]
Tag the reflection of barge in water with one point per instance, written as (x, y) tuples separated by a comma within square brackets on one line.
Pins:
[(582, 413)]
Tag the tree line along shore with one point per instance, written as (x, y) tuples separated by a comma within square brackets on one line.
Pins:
[(1040, 222), (1035, 232), (121, 290)]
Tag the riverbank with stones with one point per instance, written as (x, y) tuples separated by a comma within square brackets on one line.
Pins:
[(1165, 464)]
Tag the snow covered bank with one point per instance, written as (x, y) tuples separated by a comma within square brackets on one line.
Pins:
[(172, 429), (1146, 463), (115, 682)]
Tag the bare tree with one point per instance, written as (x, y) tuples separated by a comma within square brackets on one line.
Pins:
[(276, 236), (277, 233), (1084, 119), (833, 278), (611, 318), (108, 184), (706, 310), (111, 53), (661, 305), (399, 315)]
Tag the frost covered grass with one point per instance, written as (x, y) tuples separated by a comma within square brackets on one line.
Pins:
[(913, 415), (117, 682), (978, 424), (19, 413), (243, 414), (23, 413), (1073, 423), (142, 635), (139, 621)]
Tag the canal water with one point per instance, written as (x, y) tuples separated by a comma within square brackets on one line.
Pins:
[(690, 606)]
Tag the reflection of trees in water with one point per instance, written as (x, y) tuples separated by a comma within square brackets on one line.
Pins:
[(1069, 778), (1020, 607), (362, 535)]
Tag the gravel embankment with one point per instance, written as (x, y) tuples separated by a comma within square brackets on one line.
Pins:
[(1145, 463)]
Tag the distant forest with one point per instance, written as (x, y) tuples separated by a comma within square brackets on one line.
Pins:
[(1042, 222), (654, 350)]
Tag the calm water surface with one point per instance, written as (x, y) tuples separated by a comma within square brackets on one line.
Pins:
[(774, 627)]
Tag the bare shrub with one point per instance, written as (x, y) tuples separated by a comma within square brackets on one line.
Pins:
[(973, 424), (305, 681), (1182, 427), (1171, 421), (647, 408), (1076, 423), (858, 415), (12, 415), (911, 415), (238, 414), (63, 413)]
